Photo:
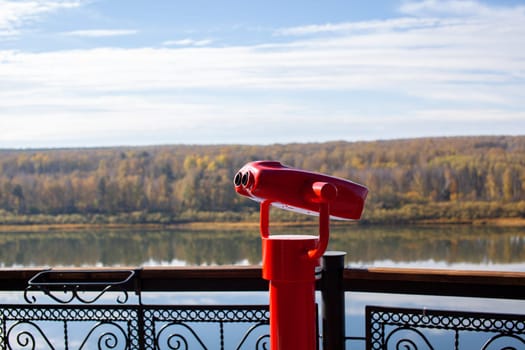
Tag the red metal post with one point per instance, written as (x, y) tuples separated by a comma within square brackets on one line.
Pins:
[(291, 272), (292, 291)]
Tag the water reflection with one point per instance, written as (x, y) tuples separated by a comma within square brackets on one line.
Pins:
[(364, 246), (127, 248), (444, 245)]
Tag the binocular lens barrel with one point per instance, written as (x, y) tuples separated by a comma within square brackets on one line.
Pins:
[(300, 190)]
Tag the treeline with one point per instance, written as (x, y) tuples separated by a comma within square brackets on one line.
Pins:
[(460, 178)]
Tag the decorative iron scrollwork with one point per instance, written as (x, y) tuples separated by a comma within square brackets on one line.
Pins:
[(27, 335), (407, 338), (134, 327), (62, 287), (106, 335), (400, 328), (261, 343), (180, 328), (177, 336), (504, 342)]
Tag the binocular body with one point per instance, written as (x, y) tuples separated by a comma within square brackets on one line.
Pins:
[(300, 190)]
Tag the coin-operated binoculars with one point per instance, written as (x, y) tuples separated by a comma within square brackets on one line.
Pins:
[(289, 261)]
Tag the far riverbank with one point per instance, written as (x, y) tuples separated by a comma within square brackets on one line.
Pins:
[(240, 225)]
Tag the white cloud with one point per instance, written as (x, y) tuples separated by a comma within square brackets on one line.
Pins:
[(465, 8), (101, 32), (356, 27), (14, 14), (187, 42), (427, 52), (89, 120), (471, 66)]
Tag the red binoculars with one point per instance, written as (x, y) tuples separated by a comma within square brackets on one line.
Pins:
[(299, 190), (289, 261)]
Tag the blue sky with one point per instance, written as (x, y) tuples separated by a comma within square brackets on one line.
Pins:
[(77, 73)]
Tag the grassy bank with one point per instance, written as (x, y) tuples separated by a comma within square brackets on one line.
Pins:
[(474, 213), (240, 225)]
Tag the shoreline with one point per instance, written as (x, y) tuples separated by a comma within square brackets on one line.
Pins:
[(199, 225)]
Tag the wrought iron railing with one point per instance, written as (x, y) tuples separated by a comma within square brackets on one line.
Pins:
[(93, 309), (104, 309), (401, 328), (411, 329), (133, 327)]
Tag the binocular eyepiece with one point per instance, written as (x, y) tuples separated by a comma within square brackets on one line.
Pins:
[(299, 190), (242, 179)]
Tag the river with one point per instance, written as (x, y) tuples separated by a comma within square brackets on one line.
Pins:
[(449, 246)]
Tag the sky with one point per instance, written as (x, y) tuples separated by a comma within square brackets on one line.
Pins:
[(89, 73)]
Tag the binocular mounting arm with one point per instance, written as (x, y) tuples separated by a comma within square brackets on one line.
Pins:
[(322, 193)]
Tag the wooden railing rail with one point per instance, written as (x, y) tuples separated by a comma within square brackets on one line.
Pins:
[(490, 284), (442, 282)]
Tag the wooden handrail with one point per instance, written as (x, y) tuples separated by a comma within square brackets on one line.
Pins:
[(466, 283), (490, 284)]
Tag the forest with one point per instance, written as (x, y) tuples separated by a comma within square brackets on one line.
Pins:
[(446, 179)]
